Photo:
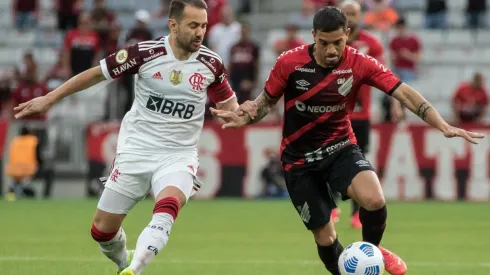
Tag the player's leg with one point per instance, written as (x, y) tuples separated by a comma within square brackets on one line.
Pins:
[(106, 227), (362, 129), (314, 201), (172, 192), (356, 178)]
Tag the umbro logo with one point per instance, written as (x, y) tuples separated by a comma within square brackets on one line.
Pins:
[(302, 85), (363, 163), (157, 75), (304, 212)]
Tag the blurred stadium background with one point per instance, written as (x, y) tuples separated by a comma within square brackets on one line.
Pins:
[(42, 46)]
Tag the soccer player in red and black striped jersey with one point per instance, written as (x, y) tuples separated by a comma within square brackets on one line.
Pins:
[(319, 151), (365, 43)]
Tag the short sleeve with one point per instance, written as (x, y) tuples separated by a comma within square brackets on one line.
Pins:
[(220, 91), (277, 80), (126, 61), (378, 76)]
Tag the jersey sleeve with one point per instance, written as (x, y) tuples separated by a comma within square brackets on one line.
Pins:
[(277, 80), (127, 61), (377, 75), (123, 62), (220, 91)]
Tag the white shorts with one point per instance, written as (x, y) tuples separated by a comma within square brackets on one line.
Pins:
[(134, 175)]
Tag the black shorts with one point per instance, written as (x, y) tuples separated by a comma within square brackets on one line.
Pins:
[(312, 186), (362, 130)]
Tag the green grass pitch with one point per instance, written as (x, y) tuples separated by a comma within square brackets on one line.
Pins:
[(233, 237)]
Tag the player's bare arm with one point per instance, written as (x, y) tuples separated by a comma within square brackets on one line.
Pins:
[(242, 116), (77, 83), (416, 103)]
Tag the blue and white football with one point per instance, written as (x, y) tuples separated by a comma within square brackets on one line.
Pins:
[(361, 258)]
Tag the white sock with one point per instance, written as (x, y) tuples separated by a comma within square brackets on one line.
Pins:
[(115, 249), (151, 241)]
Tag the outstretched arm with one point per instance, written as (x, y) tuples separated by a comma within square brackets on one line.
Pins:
[(244, 115), (77, 83), (416, 103), (264, 104)]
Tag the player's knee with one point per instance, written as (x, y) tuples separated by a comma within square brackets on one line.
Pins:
[(325, 236), (374, 202)]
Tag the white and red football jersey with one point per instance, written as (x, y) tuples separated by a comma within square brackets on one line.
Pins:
[(170, 95)]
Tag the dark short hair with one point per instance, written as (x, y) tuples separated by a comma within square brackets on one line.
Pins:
[(329, 19), (177, 7)]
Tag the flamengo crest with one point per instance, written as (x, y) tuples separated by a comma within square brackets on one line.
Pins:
[(197, 80)]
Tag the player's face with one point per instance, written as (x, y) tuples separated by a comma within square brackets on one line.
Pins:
[(330, 45), (353, 16), (191, 29)]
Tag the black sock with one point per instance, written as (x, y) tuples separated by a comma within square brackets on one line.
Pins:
[(330, 256), (373, 224), (355, 207)]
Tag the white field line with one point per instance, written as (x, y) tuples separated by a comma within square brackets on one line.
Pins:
[(218, 262)]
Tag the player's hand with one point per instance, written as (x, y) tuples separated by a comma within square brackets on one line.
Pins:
[(232, 119), (247, 107), (36, 106), (472, 137)]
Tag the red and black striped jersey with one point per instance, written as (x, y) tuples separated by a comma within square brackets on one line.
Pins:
[(318, 100)]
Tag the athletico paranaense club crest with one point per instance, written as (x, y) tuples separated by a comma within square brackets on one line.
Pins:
[(176, 77)]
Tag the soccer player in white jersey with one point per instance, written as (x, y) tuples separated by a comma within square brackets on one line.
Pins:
[(157, 145)]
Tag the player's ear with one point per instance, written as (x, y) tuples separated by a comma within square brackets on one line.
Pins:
[(172, 24), (313, 32), (347, 32)]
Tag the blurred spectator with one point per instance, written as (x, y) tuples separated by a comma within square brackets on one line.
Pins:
[(405, 52), (215, 11), (5, 95), (81, 46), (162, 12), (273, 177), (304, 18), (436, 14), (25, 14), (371, 4), (470, 101), (322, 3), (291, 40), (29, 86), (27, 67), (381, 17), (141, 31), (111, 44), (58, 72), (22, 164), (225, 34), (102, 20), (68, 12), (476, 11), (244, 65)]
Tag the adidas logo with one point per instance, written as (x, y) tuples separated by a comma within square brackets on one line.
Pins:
[(157, 75)]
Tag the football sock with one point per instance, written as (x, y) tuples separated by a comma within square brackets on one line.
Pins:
[(155, 236), (330, 256), (113, 245), (355, 207), (373, 224)]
